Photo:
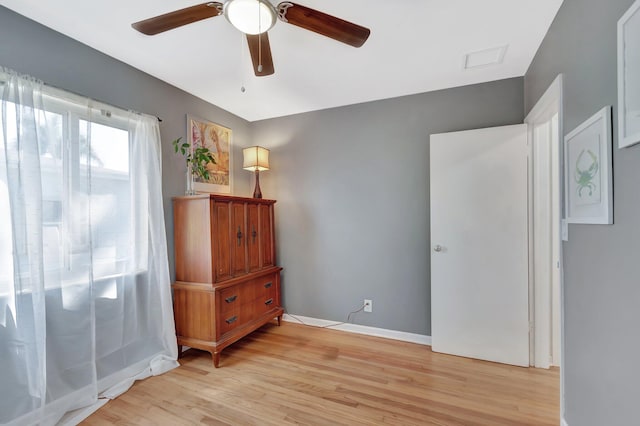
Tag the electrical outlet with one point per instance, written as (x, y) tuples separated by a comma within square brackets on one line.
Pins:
[(368, 305)]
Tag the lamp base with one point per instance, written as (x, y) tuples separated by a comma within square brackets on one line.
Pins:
[(257, 193)]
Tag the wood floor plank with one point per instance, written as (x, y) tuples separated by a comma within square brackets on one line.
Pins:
[(301, 375)]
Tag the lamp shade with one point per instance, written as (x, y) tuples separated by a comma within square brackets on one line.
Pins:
[(255, 158), (250, 16)]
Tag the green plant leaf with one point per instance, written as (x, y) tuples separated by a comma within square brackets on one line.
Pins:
[(176, 143), (199, 158)]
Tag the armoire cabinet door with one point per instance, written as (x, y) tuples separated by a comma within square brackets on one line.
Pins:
[(222, 240), (266, 237), (253, 240), (239, 238)]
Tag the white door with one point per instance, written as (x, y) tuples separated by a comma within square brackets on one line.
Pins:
[(479, 238)]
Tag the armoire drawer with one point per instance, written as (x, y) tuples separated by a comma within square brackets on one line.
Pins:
[(265, 287), (237, 317), (232, 297)]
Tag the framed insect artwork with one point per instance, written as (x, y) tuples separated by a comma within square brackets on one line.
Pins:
[(587, 172)]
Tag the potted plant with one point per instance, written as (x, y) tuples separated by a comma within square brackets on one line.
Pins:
[(197, 160)]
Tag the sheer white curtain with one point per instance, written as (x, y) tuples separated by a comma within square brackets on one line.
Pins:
[(85, 301)]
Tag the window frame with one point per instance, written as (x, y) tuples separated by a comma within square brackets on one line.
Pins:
[(56, 101)]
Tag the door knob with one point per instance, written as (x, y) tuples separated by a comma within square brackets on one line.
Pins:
[(437, 248)]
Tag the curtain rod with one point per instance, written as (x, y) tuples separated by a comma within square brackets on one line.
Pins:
[(4, 69)]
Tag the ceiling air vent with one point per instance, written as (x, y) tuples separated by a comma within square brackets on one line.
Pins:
[(483, 58)]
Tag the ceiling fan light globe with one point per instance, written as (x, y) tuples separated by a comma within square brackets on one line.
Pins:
[(250, 16)]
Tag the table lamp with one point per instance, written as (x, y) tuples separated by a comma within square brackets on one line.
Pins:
[(256, 158)]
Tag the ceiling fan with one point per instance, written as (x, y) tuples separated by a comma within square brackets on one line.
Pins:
[(255, 18)]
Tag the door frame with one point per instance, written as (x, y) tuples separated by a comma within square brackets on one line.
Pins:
[(548, 105)]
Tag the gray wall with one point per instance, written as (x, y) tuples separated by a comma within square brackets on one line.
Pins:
[(352, 186), (602, 267), (60, 61)]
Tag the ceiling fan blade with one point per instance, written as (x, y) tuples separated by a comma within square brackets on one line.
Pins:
[(178, 18), (321, 23), (260, 54)]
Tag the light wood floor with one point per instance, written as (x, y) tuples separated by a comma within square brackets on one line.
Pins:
[(295, 374)]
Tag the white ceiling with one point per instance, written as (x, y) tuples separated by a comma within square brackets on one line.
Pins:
[(415, 46)]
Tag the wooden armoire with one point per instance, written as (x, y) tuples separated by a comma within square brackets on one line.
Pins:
[(227, 283)]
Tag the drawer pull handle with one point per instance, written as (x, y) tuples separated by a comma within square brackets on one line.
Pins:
[(231, 320), (268, 285), (268, 302), (239, 235), (231, 298), (254, 234)]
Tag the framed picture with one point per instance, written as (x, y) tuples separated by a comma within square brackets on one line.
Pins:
[(629, 77), (218, 139), (587, 173)]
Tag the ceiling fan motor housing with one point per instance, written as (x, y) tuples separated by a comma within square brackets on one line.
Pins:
[(250, 16)]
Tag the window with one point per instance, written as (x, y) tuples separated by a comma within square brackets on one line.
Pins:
[(83, 293), (86, 210)]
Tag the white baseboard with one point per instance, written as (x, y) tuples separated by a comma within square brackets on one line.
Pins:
[(362, 329), (563, 422)]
